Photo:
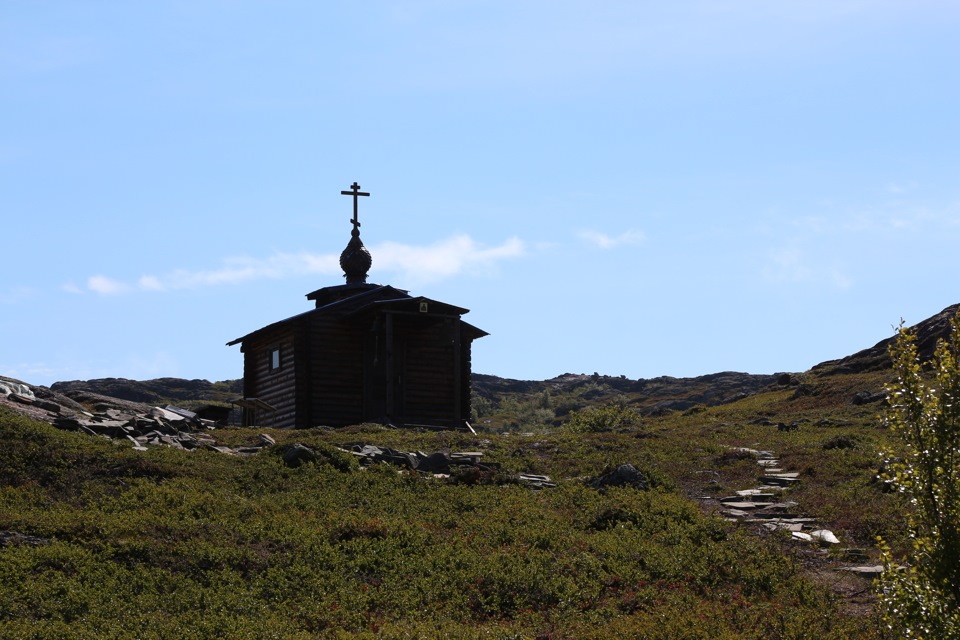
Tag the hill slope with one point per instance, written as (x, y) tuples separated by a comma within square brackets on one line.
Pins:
[(101, 539)]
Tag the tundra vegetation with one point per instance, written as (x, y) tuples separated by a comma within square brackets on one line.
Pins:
[(101, 541)]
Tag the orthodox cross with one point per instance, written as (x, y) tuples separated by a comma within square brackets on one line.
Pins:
[(355, 192)]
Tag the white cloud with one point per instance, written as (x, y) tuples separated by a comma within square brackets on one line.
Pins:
[(106, 286), (415, 264), (443, 259), (605, 241)]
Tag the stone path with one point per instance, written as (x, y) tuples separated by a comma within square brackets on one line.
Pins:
[(766, 505)]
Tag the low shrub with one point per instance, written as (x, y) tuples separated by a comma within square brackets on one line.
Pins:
[(609, 417)]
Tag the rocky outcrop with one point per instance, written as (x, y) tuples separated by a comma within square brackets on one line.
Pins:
[(157, 391), (136, 423), (877, 357), (652, 396)]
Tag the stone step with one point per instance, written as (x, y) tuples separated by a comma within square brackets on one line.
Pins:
[(869, 572), (779, 525), (778, 480), (784, 520), (750, 497), (759, 493), (746, 505), (767, 488)]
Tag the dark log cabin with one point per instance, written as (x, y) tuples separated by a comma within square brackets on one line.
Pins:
[(364, 353)]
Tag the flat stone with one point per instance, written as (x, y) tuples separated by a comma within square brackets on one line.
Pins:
[(792, 474), (163, 414), (800, 535), (735, 513), (221, 449), (778, 480), (16, 397), (757, 496), (854, 553), (800, 520), (769, 462), (745, 505), (781, 506), (109, 424), (47, 405), (870, 571), (780, 525)]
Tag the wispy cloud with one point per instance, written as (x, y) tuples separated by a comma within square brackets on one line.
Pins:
[(901, 188), (413, 264), (17, 294), (791, 265), (606, 241)]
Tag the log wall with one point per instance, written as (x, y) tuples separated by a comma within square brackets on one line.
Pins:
[(336, 353), (276, 387)]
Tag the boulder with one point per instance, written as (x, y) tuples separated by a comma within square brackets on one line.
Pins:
[(438, 462), (626, 475), (10, 386), (298, 454), (866, 397)]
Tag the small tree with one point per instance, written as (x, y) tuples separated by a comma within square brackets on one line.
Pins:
[(924, 600)]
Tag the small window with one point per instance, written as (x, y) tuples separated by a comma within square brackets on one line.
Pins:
[(275, 359)]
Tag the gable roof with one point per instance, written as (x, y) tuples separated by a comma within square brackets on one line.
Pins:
[(351, 300), (366, 292)]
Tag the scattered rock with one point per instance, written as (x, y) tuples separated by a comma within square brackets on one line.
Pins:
[(535, 481), (804, 390), (841, 442), (824, 536), (866, 397), (14, 538), (785, 380), (626, 475), (298, 454), (265, 440), (870, 571)]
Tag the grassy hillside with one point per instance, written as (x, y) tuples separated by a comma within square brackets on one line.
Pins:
[(100, 541)]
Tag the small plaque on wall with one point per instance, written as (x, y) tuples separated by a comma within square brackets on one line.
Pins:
[(423, 307)]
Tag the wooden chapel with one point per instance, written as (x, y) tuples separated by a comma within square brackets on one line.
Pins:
[(364, 353)]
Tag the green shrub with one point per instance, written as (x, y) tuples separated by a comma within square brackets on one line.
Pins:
[(609, 417), (924, 600)]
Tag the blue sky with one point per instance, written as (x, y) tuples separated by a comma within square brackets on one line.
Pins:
[(633, 188)]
